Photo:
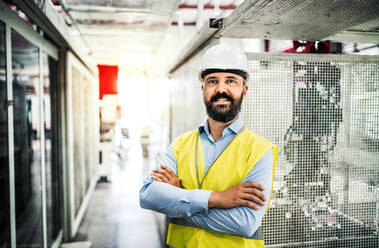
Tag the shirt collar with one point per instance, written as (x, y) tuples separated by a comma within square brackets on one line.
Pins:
[(235, 126)]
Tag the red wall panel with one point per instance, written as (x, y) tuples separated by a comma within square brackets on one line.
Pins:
[(107, 79)]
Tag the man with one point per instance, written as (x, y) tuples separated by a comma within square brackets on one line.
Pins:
[(216, 180)]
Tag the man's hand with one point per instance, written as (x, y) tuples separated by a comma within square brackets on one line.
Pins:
[(166, 175), (239, 195)]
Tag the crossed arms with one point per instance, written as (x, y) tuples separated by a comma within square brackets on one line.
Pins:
[(231, 211)]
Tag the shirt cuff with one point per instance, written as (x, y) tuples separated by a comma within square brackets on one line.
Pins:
[(198, 201)]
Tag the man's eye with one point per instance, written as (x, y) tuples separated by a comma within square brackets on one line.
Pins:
[(212, 81), (230, 81)]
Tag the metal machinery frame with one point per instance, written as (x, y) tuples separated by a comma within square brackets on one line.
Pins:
[(310, 105)]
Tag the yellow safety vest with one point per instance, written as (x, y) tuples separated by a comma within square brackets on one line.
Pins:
[(229, 169)]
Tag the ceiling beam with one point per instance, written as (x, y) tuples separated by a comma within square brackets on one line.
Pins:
[(120, 32), (102, 9), (208, 6), (355, 36)]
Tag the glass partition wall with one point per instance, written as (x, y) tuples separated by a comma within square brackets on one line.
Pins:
[(4, 169), (30, 185), (48, 136), (27, 141), (34, 153), (53, 178)]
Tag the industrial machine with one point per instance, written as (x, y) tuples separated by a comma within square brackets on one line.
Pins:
[(312, 208)]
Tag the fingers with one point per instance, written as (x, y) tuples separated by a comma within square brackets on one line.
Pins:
[(159, 177), (255, 192), (164, 167), (248, 204), (253, 185), (166, 175), (162, 174), (253, 198)]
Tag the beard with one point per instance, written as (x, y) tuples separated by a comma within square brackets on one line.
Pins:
[(223, 113)]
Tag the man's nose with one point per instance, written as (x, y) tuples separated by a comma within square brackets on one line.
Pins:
[(221, 87)]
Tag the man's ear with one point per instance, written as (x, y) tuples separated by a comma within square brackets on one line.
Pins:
[(245, 89)]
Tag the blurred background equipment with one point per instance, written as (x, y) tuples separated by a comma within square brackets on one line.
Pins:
[(108, 119), (108, 78), (145, 140)]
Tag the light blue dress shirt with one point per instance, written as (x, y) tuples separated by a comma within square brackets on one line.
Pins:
[(192, 205)]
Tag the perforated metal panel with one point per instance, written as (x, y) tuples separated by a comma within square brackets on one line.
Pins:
[(299, 19), (323, 113)]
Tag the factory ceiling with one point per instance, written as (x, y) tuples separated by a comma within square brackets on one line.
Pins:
[(115, 28)]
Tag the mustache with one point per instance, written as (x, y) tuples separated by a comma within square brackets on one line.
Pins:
[(221, 95)]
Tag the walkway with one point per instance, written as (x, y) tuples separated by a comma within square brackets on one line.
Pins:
[(114, 218)]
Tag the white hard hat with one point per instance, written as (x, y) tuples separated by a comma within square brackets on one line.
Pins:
[(223, 58)]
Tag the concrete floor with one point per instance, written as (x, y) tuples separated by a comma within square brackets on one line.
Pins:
[(114, 217)]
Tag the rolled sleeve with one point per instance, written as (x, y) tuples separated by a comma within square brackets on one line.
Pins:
[(198, 201)]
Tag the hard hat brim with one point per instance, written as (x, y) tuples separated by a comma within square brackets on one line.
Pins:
[(241, 73)]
